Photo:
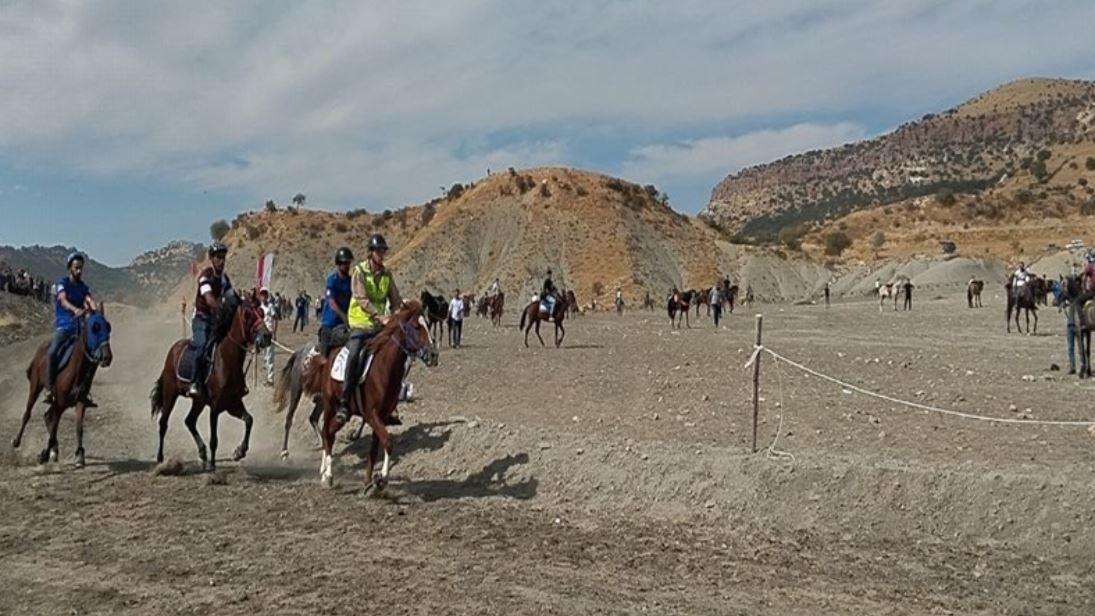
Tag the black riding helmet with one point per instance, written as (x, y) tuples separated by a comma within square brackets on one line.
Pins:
[(217, 248), (75, 255), (344, 255), (377, 242)]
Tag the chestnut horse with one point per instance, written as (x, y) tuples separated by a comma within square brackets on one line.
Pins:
[(90, 350), (406, 335), (532, 316), (497, 307), (226, 385)]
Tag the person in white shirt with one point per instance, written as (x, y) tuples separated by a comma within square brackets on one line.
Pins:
[(269, 318), (456, 319)]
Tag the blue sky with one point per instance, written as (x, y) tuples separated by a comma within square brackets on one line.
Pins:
[(126, 124)]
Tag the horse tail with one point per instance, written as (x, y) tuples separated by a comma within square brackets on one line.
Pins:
[(156, 397), (281, 388), (524, 315)]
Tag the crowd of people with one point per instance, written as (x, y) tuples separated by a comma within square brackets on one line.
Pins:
[(20, 282)]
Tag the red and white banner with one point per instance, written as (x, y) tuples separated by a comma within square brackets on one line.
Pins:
[(264, 271)]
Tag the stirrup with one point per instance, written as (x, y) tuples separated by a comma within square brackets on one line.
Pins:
[(342, 413), (49, 399)]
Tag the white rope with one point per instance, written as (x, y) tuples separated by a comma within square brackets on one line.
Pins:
[(916, 405), (281, 346), (773, 453)]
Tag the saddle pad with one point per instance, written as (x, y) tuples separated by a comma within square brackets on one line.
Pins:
[(66, 353), (338, 368), (184, 366)]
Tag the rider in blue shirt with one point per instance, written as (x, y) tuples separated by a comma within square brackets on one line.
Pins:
[(72, 301), (337, 301)]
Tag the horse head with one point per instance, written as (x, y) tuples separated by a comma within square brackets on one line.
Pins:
[(409, 328), (98, 337)]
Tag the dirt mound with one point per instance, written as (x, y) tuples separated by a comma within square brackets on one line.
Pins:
[(22, 318)]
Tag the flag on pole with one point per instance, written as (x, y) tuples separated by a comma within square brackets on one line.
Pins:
[(264, 271)]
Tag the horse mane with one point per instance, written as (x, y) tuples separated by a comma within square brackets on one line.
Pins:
[(411, 310)]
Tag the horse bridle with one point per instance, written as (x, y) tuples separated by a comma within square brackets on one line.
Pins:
[(249, 340), (411, 349)]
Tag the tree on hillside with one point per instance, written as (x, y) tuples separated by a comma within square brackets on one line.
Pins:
[(836, 243), (299, 199), (218, 230), (598, 288), (1090, 163), (271, 206), (878, 241)]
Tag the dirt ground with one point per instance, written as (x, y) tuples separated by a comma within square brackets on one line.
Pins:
[(613, 475)]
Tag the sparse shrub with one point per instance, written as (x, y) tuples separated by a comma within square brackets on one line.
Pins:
[(525, 183), (271, 206), (1087, 208), (428, 213), (545, 190), (455, 191), (598, 288), (878, 240), (651, 191), (836, 243), (352, 214), (945, 198), (1024, 197), (253, 232), (1044, 155), (1039, 170), (341, 227), (1082, 181), (1089, 164), (582, 191), (218, 230), (791, 237), (385, 216)]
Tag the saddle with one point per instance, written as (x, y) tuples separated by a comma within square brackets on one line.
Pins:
[(338, 367), (184, 366), (547, 306), (66, 353)]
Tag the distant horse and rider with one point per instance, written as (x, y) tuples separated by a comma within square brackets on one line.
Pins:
[(548, 308), (1022, 291), (678, 305)]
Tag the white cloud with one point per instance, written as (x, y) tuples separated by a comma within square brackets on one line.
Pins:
[(375, 102), (724, 155)]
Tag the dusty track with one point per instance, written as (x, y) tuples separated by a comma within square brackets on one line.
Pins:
[(610, 476)]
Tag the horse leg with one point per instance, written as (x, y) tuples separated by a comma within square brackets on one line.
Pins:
[(53, 418), (165, 412), (192, 425), (78, 460), (295, 393), (36, 388), (1035, 321), (327, 437), (382, 439), (214, 418), (560, 333), (538, 333), (313, 420), (240, 412)]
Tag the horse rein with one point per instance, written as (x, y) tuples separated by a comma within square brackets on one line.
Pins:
[(413, 351)]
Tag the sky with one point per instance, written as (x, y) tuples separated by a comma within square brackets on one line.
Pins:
[(126, 124)]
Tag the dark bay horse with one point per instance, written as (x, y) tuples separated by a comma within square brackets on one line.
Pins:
[(1081, 307), (239, 326), (1024, 299), (973, 293), (677, 306), (703, 298), (436, 310), (497, 308), (532, 316), (90, 350), (406, 335)]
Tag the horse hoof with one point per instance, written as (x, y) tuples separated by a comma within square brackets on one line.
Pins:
[(43, 457), (208, 466), (79, 461), (16, 442), (53, 456), (239, 454), (327, 482), (284, 454)]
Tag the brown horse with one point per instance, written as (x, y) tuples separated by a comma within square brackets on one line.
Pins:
[(225, 387), (532, 316), (91, 350), (973, 293), (497, 307), (1022, 300), (571, 302), (406, 335), (703, 298), (677, 306)]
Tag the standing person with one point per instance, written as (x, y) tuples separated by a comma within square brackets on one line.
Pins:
[(1087, 277), (73, 300), (213, 283), (619, 301), (826, 294), (373, 295), (456, 319), (272, 325), (716, 303), (320, 302), (908, 288), (334, 324), (301, 319)]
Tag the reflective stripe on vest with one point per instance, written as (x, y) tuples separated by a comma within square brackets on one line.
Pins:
[(376, 290)]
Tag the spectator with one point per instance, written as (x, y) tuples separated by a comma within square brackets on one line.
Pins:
[(270, 320), (456, 319), (302, 312), (716, 303)]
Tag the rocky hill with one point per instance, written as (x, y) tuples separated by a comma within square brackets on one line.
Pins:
[(144, 281), (1036, 127), (596, 232)]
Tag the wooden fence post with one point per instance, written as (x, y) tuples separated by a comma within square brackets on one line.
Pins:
[(756, 380)]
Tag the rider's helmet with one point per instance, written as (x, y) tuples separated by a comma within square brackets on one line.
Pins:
[(217, 248), (75, 255), (344, 255), (377, 242)]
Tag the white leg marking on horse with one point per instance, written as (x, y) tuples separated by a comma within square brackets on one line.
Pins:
[(384, 466)]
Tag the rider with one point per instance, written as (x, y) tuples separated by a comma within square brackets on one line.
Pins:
[(495, 288), (73, 300), (1087, 277), (547, 295), (1021, 277), (338, 300), (373, 291), (213, 283)]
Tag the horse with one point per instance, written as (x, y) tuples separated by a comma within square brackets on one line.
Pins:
[(482, 307), (406, 335), (1024, 301), (469, 301), (497, 307), (730, 295), (289, 389), (571, 302), (239, 326), (437, 313), (703, 298), (886, 291), (973, 293), (532, 316), (648, 301), (90, 350), (678, 305), (1070, 296)]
